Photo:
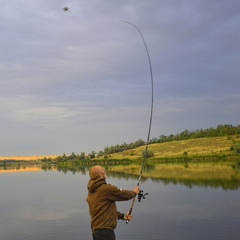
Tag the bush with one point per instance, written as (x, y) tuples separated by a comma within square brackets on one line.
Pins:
[(149, 153), (237, 148)]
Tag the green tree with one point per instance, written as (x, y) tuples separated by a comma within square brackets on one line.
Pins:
[(72, 156), (82, 156), (92, 154)]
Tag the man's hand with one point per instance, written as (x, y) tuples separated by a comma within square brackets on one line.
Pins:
[(136, 189), (128, 217)]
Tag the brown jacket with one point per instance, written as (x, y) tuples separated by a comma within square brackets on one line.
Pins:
[(102, 207)]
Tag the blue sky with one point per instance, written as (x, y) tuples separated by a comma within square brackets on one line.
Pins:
[(79, 80)]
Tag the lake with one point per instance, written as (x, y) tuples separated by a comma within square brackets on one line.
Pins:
[(52, 205)]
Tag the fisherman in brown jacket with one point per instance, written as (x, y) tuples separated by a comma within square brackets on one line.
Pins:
[(102, 206)]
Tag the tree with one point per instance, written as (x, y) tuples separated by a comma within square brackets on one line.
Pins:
[(72, 156), (82, 156), (92, 154)]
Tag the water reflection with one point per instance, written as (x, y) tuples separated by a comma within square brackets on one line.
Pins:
[(225, 177), (48, 204)]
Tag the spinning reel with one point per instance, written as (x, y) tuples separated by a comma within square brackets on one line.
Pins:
[(141, 195)]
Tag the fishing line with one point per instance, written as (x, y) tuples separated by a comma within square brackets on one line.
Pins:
[(145, 155)]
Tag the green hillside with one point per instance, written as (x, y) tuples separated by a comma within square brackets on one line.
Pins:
[(208, 146), (209, 161)]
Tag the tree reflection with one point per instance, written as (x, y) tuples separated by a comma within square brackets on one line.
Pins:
[(130, 171)]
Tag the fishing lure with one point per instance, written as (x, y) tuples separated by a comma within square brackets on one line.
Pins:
[(65, 9)]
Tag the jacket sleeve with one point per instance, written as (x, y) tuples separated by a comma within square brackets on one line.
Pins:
[(120, 215), (116, 194)]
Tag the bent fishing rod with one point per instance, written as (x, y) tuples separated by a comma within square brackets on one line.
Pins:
[(141, 194)]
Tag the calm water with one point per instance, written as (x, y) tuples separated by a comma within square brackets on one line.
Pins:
[(51, 205)]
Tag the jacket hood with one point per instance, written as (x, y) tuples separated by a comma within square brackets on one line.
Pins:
[(94, 184)]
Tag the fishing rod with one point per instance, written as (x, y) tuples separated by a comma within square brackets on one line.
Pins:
[(141, 194)]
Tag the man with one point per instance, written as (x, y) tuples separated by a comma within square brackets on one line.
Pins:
[(102, 206)]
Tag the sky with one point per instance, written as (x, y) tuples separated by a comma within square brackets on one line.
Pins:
[(79, 80)]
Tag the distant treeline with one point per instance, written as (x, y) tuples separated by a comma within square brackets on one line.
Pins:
[(220, 130), (121, 148)]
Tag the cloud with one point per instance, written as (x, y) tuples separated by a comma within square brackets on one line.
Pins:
[(81, 77)]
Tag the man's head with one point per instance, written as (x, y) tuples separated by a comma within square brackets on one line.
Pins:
[(97, 172)]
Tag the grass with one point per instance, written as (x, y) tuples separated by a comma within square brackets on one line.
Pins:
[(194, 147)]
